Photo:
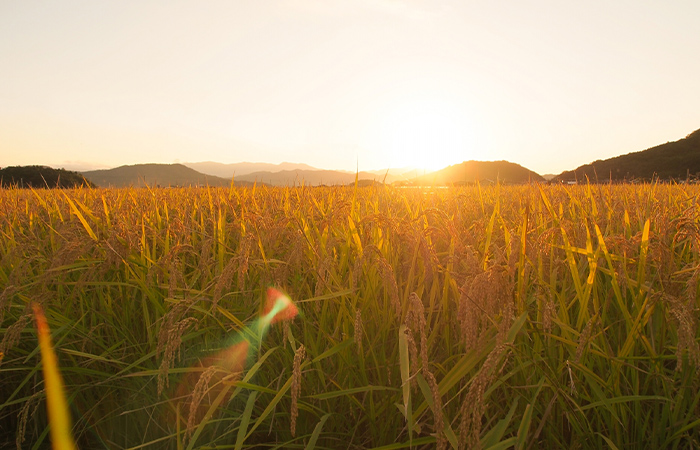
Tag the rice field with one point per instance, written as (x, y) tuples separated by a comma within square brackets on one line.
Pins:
[(488, 317)]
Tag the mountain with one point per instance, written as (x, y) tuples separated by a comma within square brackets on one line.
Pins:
[(244, 168), (140, 175), (675, 160), (41, 177), (482, 171), (308, 177)]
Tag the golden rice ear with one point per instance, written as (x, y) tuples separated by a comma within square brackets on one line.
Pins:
[(59, 415), (299, 356)]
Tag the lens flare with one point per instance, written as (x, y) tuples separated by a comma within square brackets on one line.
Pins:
[(278, 306), (206, 382)]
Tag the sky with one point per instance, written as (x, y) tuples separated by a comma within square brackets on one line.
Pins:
[(361, 84)]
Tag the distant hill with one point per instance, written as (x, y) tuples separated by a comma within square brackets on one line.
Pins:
[(41, 177), (162, 175), (243, 168), (674, 160), (308, 177), (483, 171)]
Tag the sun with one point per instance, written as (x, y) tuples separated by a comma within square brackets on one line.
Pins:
[(428, 133)]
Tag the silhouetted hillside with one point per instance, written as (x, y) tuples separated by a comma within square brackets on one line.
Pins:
[(674, 160), (162, 175), (482, 171), (41, 177)]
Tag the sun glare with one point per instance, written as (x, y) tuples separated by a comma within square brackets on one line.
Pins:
[(426, 133)]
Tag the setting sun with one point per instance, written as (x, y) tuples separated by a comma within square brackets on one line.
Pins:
[(427, 133)]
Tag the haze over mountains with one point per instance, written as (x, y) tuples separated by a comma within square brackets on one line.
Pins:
[(312, 177), (673, 160), (288, 173), (140, 175), (180, 175), (243, 168)]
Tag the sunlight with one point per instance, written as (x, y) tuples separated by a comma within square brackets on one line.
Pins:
[(428, 133)]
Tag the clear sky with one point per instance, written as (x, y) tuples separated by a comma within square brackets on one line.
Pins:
[(548, 84)]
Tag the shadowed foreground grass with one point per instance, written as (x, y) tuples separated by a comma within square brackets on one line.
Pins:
[(490, 317)]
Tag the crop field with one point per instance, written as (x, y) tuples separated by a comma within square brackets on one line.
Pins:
[(486, 317)]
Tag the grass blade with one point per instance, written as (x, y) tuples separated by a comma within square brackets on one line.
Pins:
[(245, 420), (317, 432), (59, 415)]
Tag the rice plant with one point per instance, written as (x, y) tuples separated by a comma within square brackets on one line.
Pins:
[(468, 317)]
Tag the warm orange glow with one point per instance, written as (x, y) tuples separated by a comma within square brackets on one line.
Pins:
[(231, 360)]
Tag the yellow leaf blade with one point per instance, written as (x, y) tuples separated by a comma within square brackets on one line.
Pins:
[(56, 405)]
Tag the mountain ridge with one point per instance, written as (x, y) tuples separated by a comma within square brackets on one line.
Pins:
[(152, 174), (41, 177), (672, 160), (472, 171)]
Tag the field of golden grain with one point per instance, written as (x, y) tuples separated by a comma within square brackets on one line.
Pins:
[(477, 317)]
